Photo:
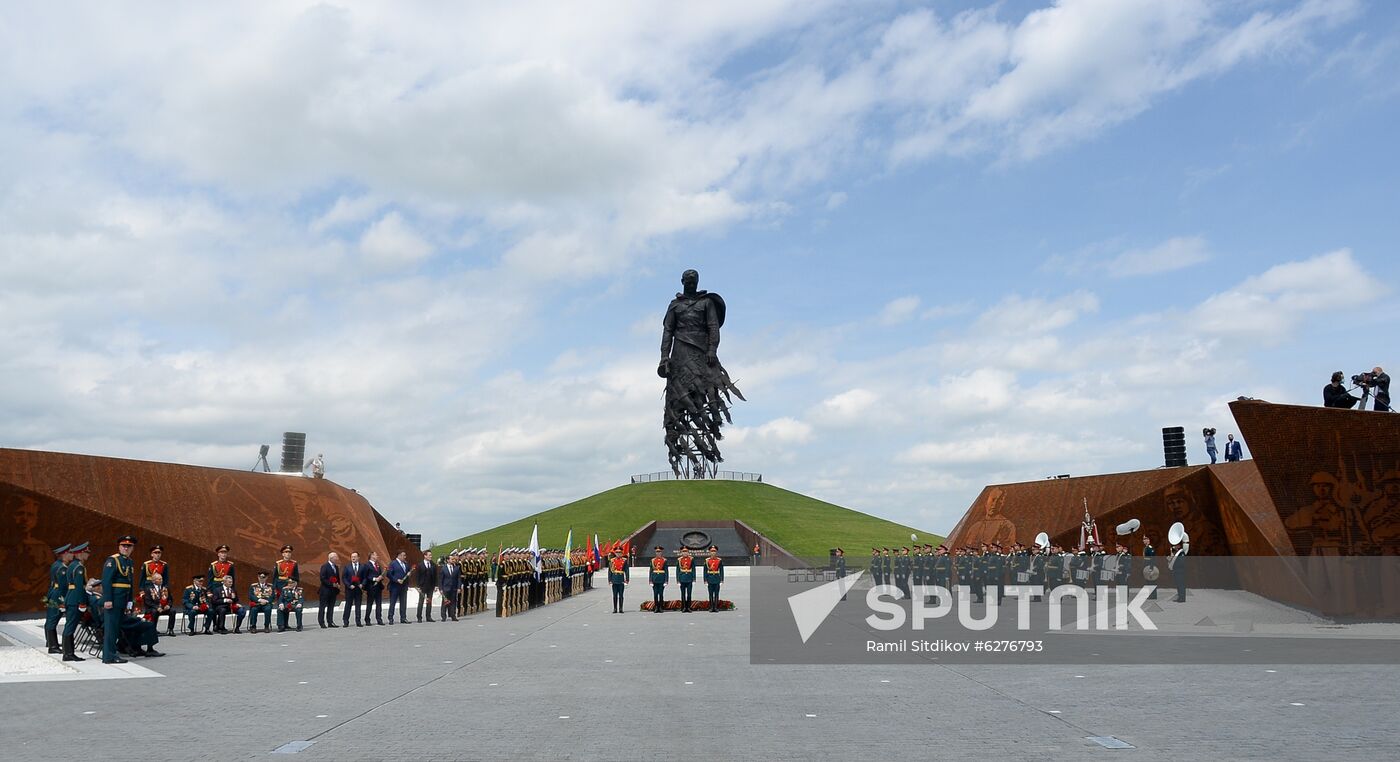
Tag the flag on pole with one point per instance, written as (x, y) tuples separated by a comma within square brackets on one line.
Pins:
[(535, 549), (568, 551), (597, 554)]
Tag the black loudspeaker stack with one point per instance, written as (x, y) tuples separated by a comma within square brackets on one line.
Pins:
[(293, 452), (1174, 446)]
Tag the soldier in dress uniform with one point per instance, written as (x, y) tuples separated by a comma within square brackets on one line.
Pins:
[(840, 567), (996, 571), (659, 576), (901, 571), (685, 577), (289, 601), (225, 597), (153, 566), (714, 576), (74, 598), (220, 567), (196, 601), (118, 575), (941, 570), (262, 596), (53, 599), (1124, 570), (285, 570), (963, 564), (619, 574), (877, 574), (1149, 560)]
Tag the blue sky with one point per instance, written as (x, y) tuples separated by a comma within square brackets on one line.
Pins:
[(961, 244)]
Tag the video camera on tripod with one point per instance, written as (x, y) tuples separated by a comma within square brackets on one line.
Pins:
[(1375, 383)]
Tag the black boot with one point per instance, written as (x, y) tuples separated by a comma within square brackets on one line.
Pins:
[(51, 640), (151, 651), (68, 654)]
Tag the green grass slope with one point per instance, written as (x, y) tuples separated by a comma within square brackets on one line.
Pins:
[(802, 525)]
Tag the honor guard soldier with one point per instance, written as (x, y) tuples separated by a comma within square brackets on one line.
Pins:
[(941, 570), (660, 575), (155, 601), (261, 598), (289, 601), (918, 571), (220, 567), (877, 570), (887, 567), (425, 579), (1123, 570), (901, 571), (118, 575), (1149, 562), (685, 577), (714, 575), (53, 599), (329, 592), (226, 602), (841, 566), (157, 565), (74, 598), (285, 570), (996, 571), (619, 574), (196, 601)]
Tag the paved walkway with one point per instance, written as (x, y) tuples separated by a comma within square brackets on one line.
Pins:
[(573, 681)]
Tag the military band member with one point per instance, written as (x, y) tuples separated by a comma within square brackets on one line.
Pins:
[(353, 579), (74, 598), (398, 587), (714, 576), (225, 598), (1124, 572), (220, 567), (963, 564), (155, 601), (285, 570), (619, 574), (53, 599), (685, 577), (261, 598), (425, 579), (901, 571), (917, 569), (887, 566), (157, 564), (1149, 560), (994, 565), (374, 588), (329, 592), (196, 601), (118, 575)]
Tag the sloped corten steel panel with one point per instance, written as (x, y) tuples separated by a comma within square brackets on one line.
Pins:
[(48, 499)]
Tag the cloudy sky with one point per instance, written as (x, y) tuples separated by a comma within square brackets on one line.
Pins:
[(959, 244)]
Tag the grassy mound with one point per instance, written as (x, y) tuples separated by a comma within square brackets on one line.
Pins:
[(802, 525)]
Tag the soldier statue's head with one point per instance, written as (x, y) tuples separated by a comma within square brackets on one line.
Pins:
[(690, 280)]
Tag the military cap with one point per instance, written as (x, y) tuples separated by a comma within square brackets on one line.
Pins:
[(285, 548), (262, 574), (715, 548), (60, 550), (161, 548), (221, 547), (127, 539), (197, 577), (79, 548), (658, 547)]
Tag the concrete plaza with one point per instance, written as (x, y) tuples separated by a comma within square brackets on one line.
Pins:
[(574, 681)]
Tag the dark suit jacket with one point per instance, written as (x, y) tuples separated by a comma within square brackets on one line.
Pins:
[(373, 574), (398, 572), (348, 576), (330, 576), (425, 578)]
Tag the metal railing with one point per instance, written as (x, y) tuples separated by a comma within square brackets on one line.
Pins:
[(667, 476)]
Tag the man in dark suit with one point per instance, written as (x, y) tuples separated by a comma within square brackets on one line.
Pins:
[(449, 581), (425, 579), (352, 574), (330, 590), (398, 587), (374, 588)]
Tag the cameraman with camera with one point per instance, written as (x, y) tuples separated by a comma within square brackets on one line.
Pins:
[(1378, 383), (1335, 394), (1209, 435)]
